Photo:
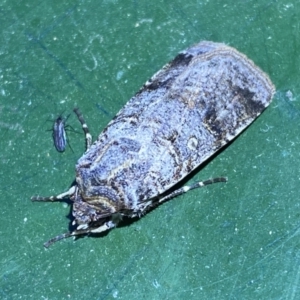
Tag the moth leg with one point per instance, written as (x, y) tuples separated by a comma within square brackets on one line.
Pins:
[(187, 188), (61, 196), (85, 229), (57, 238), (106, 226), (85, 128)]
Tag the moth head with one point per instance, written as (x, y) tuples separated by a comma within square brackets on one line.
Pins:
[(93, 210)]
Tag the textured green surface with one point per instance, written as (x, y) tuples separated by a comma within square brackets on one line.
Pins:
[(238, 240)]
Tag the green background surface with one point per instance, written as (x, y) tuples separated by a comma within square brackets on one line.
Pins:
[(238, 240)]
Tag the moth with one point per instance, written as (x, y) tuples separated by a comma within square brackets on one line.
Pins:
[(187, 111)]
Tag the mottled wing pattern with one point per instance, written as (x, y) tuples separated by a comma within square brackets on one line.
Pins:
[(186, 112)]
